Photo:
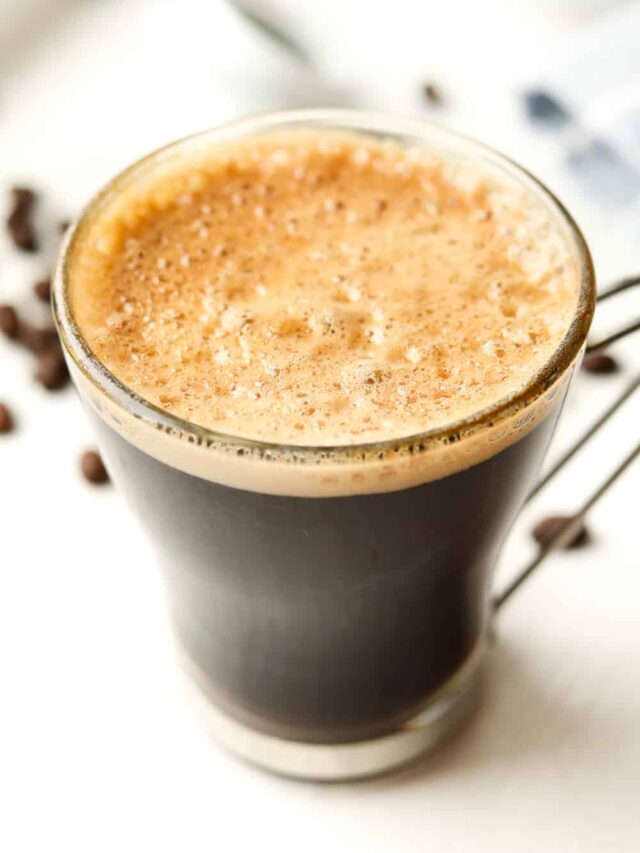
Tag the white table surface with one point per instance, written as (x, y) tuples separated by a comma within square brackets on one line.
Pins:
[(98, 749)]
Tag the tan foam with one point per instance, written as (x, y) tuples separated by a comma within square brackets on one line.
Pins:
[(317, 288), (313, 472)]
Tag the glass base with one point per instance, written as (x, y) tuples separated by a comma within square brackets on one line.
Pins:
[(347, 761)]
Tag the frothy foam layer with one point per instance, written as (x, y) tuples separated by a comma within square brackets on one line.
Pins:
[(319, 288)]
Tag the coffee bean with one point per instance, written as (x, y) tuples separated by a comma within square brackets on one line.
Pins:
[(52, 372), (6, 418), (19, 223), (9, 321), (432, 94), (23, 197), (42, 289), (38, 339), (92, 468), (600, 362), (546, 529)]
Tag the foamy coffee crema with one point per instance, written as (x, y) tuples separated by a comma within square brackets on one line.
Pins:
[(322, 288)]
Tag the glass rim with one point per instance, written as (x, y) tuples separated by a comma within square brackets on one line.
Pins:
[(371, 123)]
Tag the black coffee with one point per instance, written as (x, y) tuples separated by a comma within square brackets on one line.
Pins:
[(327, 619), (302, 301)]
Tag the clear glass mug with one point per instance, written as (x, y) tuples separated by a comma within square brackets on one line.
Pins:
[(331, 605)]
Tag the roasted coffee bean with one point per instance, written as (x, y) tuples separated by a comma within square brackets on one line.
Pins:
[(23, 197), (9, 321), (19, 223), (546, 529), (92, 468), (42, 289), (600, 362), (52, 372), (6, 418), (38, 339), (432, 94)]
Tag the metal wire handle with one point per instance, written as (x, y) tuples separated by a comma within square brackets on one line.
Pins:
[(572, 524), (607, 293)]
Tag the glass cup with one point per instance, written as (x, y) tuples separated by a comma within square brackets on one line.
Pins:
[(331, 605)]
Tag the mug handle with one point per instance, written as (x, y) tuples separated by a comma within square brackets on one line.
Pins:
[(572, 524), (634, 326)]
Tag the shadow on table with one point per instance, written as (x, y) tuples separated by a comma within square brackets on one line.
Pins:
[(518, 719)]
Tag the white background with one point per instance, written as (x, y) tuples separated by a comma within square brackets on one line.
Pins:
[(98, 749)]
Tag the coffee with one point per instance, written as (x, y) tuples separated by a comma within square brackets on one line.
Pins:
[(323, 368), (324, 289), (327, 620)]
